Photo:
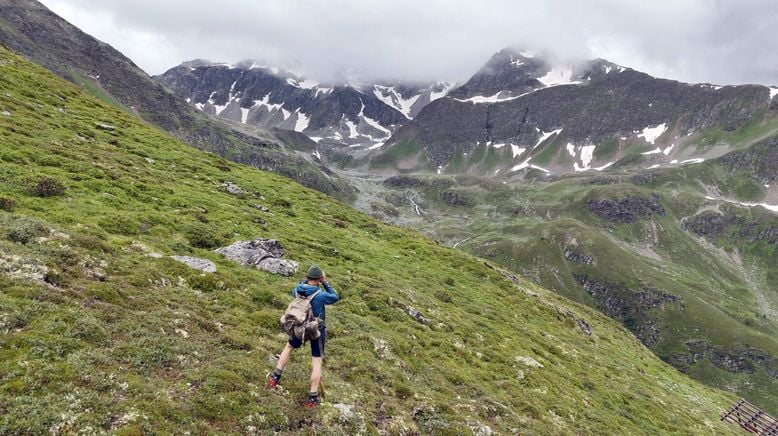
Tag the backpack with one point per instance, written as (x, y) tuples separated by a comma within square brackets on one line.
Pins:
[(298, 320)]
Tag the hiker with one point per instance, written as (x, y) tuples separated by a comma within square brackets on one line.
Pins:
[(320, 297)]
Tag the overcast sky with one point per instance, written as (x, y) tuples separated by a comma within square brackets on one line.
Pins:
[(716, 41)]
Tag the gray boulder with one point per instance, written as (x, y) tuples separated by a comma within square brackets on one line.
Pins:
[(197, 263), (265, 254)]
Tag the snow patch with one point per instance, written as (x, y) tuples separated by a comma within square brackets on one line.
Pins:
[(544, 136), (285, 113), (558, 76), (352, 129), (302, 121), (587, 154), (696, 160), (517, 151), (376, 125), (654, 166), (498, 145), (447, 86), (376, 145), (487, 99), (773, 92), (603, 167), (317, 154), (570, 149), (650, 134), (521, 166), (266, 103), (392, 98), (244, 114), (654, 151)]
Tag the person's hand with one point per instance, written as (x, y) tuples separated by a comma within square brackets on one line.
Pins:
[(323, 278)]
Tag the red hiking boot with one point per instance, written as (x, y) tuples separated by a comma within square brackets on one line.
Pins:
[(272, 380)]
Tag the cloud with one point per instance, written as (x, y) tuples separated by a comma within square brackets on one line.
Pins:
[(718, 41)]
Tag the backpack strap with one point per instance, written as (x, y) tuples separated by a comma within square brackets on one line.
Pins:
[(314, 294)]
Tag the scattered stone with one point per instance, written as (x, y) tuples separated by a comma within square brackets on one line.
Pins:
[(150, 160), (5, 113), (183, 333), (196, 263), (106, 127), (529, 361), (260, 208), (382, 348), (346, 411), (418, 316), (584, 326), (20, 268), (233, 189), (480, 429), (265, 254)]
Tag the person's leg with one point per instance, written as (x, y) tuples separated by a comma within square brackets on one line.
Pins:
[(285, 355), (315, 374), (274, 377)]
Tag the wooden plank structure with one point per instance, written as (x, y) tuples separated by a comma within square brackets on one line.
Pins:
[(751, 419)]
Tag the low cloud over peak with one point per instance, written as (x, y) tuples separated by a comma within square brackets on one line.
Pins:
[(717, 41)]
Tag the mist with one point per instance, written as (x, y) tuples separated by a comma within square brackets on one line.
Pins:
[(715, 41)]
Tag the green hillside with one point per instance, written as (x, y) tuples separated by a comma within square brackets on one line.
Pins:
[(694, 278), (97, 334)]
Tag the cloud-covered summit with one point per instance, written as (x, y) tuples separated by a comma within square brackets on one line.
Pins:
[(717, 41)]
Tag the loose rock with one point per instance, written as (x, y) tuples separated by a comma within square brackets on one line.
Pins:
[(265, 254), (197, 263), (233, 189)]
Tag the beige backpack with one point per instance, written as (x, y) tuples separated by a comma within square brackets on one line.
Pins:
[(298, 320)]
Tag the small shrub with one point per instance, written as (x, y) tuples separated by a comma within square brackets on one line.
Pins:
[(7, 204), (201, 236), (49, 187), (281, 202), (119, 225), (206, 283), (25, 230)]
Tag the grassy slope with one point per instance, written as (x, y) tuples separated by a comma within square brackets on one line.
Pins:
[(526, 227), (155, 345)]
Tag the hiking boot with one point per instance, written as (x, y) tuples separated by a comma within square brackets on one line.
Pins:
[(272, 380), (312, 402)]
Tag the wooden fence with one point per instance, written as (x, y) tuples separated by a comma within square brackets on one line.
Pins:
[(751, 419)]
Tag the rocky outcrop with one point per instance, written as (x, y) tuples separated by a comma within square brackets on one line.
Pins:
[(404, 182), (708, 224), (578, 257), (265, 254), (759, 161), (626, 210), (454, 198), (740, 359), (631, 308)]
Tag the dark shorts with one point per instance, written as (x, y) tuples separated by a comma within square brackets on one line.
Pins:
[(317, 345)]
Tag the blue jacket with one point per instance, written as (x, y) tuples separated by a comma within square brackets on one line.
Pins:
[(326, 296)]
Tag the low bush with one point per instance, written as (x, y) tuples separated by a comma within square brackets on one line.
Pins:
[(201, 236), (24, 230), (7, 204), (49, 187)]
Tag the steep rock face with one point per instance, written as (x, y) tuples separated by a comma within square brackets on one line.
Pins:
[(528, 105), (271, 97), (761, 160), (739, 359), (631, 308)]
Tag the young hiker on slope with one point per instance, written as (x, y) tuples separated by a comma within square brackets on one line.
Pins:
[(321, 297)]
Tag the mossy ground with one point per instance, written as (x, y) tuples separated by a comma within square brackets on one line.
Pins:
[(97, 335)]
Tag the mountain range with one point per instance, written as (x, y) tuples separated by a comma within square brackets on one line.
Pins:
[(642, 203)]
